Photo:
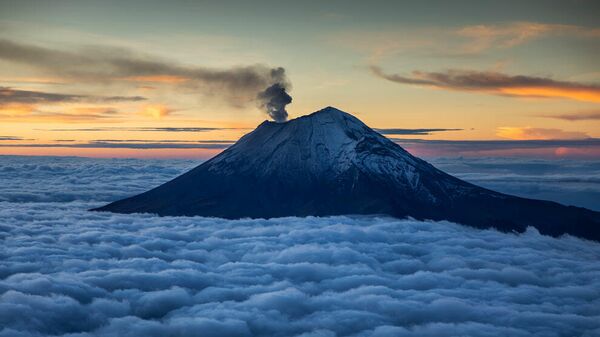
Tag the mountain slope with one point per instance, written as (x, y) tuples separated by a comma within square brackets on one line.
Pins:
[(330, 163)]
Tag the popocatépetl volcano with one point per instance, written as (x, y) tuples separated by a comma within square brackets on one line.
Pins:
[(330, 163)]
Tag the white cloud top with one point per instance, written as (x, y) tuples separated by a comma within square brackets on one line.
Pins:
[(68, 272)]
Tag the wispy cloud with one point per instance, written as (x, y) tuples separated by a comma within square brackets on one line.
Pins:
[(15, 105), (9, 138), (144, 129), (496, 83), (484, 37), (18, 113), (581, 148), (210, 141), (412, 131), (157, 79), (462, 41), (15, 96), (130, 144), (588, 148), (504, 144), (576, 116)]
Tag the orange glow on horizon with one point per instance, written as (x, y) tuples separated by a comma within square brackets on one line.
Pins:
[(157, 111), (586, 95), (529, 133), (16, 109)]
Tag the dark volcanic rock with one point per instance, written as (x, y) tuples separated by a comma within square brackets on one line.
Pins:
[(330, 163)]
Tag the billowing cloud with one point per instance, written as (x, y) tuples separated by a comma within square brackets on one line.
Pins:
[(529, 133), (68, 179), (69, 272), (273, 100), (238, 86), (396, 131), (567, 181), (497, 83)]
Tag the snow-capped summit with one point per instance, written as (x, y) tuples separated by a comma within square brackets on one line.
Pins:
[(330, 163)]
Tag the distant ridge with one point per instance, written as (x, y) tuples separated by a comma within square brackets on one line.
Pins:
[(330, 163)]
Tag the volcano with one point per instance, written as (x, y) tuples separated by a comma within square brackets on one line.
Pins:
[(330, 163)]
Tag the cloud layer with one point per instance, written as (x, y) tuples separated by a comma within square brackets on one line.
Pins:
[(66, 179), (68, 272), (570, 182)]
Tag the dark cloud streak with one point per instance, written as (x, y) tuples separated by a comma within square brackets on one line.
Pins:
[(577, 116), (451, 147), (496, 83), (146, 129), (502, 144), (588, 148), (478, 80), (3, 138), (420, 132), (131, 144), (14, 96)]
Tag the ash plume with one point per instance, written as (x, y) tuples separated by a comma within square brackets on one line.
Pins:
[(239, 86), (273, 100)]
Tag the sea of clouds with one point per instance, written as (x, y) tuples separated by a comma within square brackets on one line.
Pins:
[(568, 181), (65, 271)]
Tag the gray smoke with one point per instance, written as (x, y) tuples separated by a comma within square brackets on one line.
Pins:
[(239, 86), (273, 100), (275, 97)]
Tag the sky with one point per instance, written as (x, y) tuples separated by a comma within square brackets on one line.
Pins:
[(188, 78)]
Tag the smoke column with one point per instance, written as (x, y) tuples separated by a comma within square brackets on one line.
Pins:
[(273, 100)]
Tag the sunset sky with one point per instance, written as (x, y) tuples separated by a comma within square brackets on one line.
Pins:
[(181, 78)]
